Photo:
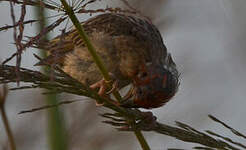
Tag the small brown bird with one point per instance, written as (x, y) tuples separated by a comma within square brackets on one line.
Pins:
[(133, 51)]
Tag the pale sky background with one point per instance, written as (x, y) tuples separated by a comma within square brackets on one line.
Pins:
[(207, 39)]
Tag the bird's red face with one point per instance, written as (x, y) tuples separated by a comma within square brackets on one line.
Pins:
[(154, 86)]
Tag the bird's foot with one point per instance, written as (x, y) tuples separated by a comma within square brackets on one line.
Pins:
[(99, 104), (102, 88), (103, 85), (114, 86)]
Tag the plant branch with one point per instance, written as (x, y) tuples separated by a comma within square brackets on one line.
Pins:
[(123, 119), (64, 83), (34, 3), (89, 45), (3, 95), (99, 64), (56, 131)]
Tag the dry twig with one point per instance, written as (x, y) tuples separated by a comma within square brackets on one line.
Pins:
[(64, 83)]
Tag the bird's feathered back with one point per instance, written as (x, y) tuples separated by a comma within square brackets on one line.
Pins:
[(115, 25)]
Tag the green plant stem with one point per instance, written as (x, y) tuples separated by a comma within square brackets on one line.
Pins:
[(7, 128), (90, 47), (99, 63), (55, 122), (141, 140)]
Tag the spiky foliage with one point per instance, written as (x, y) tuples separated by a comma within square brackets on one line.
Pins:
[(122, 119)]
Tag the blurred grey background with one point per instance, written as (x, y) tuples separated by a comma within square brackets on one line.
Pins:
[(207, 40)]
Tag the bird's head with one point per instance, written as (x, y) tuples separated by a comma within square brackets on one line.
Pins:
[(154, 85)]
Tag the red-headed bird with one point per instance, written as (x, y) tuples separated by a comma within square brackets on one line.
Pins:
[(133, 51)]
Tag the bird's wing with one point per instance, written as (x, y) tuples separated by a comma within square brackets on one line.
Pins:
[(115, 25), (57, 48)]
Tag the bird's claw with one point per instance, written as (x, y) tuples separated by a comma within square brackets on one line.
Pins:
[(99, 104), (114, 87), (103, 85)]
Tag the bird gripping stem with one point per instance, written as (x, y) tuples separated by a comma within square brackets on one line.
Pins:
[(90, 47)]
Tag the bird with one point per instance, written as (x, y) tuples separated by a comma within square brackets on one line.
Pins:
[(131, 48)]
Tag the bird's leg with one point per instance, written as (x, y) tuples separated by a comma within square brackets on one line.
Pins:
[(114, 86), (103, 86)]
